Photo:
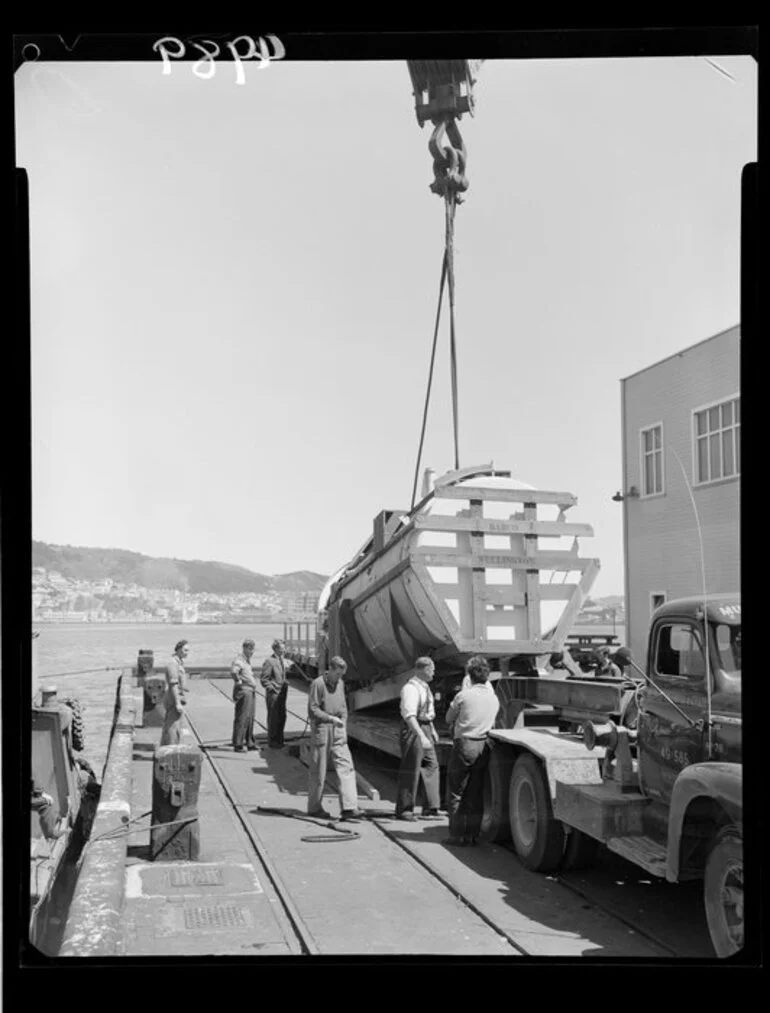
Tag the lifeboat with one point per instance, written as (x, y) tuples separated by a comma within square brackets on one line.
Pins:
[(483, 564)]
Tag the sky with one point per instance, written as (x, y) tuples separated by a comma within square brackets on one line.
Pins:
[(233, 289)]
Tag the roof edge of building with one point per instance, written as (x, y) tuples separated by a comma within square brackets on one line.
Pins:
[(689, 348)]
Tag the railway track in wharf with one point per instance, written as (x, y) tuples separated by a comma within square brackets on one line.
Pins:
[(528, 915)]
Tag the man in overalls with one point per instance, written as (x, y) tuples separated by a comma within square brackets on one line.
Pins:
[(175, 699), (244, 692), (418, 746), (328, 714)]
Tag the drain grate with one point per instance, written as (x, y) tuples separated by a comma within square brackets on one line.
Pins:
[(195, 877), (216, 916)]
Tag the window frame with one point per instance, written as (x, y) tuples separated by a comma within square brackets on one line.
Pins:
[(693, 679), (643, 494), (660, 594), (729, 399)]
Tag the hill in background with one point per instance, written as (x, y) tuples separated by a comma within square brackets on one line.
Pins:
[(191, 575)]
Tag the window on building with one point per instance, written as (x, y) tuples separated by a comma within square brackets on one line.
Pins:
[(657, 598), (679, 652), (718, 441), (652, 460)]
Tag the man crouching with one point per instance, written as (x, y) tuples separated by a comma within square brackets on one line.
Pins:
[(328, 715)]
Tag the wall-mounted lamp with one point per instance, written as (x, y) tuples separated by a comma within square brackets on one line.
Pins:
[(633, 493)]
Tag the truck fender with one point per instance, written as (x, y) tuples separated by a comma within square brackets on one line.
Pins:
[(719, 782)]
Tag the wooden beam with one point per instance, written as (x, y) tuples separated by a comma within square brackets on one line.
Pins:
[(425, 581), (561, 499), (500, 618), (476, 545), (532, 578), (493, 594), (569, 615), (485, 525), (508, 648), (556, 592), (435, 555)]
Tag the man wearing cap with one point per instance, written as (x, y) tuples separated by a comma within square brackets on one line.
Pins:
[(175, 699), (605, 666), (273, 679), (244, 692), (418, 746), (328, 714)]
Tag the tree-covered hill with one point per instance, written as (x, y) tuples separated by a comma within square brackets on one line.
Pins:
[(192, 575)]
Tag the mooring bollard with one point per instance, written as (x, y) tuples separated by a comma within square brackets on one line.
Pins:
[(144, 666), (175, 784), (153, 711)]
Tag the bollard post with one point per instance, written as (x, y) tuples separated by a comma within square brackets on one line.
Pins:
[(153, 711), (144, 666), (175, 786)]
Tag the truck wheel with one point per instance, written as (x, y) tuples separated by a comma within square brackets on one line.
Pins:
[(723, 892), (78, 735), (495, 825), (580, 851), (537, 837)]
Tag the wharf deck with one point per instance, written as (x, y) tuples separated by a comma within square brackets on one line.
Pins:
[(259, 889)]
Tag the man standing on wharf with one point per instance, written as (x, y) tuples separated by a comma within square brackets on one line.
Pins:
[(276, 687), (418, 745), (244, 697), (471, 716), (175, 699), (328, 715)]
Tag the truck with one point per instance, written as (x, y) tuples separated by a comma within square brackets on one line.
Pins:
[(647, 765), (658, 781)]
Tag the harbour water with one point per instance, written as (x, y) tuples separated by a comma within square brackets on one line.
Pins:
[(64, 648), (82, 660)]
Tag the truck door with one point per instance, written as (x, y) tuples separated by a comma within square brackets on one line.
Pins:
[(667, 742)]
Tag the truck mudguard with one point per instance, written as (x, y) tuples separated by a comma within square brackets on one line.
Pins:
[(722, 782)]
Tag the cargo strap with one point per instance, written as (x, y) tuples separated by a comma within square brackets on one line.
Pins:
[(449, 182), (447, 275)]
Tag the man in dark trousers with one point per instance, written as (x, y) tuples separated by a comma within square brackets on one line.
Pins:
[(175, 699), (273, 679), (418, 746), (471, 716), (244, 692), (327, 712)]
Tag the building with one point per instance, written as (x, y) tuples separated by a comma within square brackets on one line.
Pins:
[(685, 408)]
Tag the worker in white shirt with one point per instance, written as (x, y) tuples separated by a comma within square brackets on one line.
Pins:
[(471, 716), (418, 746)]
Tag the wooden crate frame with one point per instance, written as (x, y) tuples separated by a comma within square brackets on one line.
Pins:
[(469, 525)]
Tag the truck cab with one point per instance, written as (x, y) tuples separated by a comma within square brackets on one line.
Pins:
[(650, 769), (690, 710)]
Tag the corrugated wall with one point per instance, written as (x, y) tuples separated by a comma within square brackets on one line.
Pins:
[(662, 551)]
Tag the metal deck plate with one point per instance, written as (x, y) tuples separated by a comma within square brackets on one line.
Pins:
[(214, 917), (186, 876), (198, 879)]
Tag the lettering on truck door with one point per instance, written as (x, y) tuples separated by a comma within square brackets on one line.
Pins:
[(667, 741)]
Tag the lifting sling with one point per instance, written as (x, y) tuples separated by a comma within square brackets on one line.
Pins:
[(443, 92)]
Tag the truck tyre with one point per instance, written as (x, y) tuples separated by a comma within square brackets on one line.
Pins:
[(495, 825), (78, 736), (723, 892), (537, 837), (580, 851)]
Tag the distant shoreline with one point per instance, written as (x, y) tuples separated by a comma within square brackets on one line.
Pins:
[(276, 621)]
